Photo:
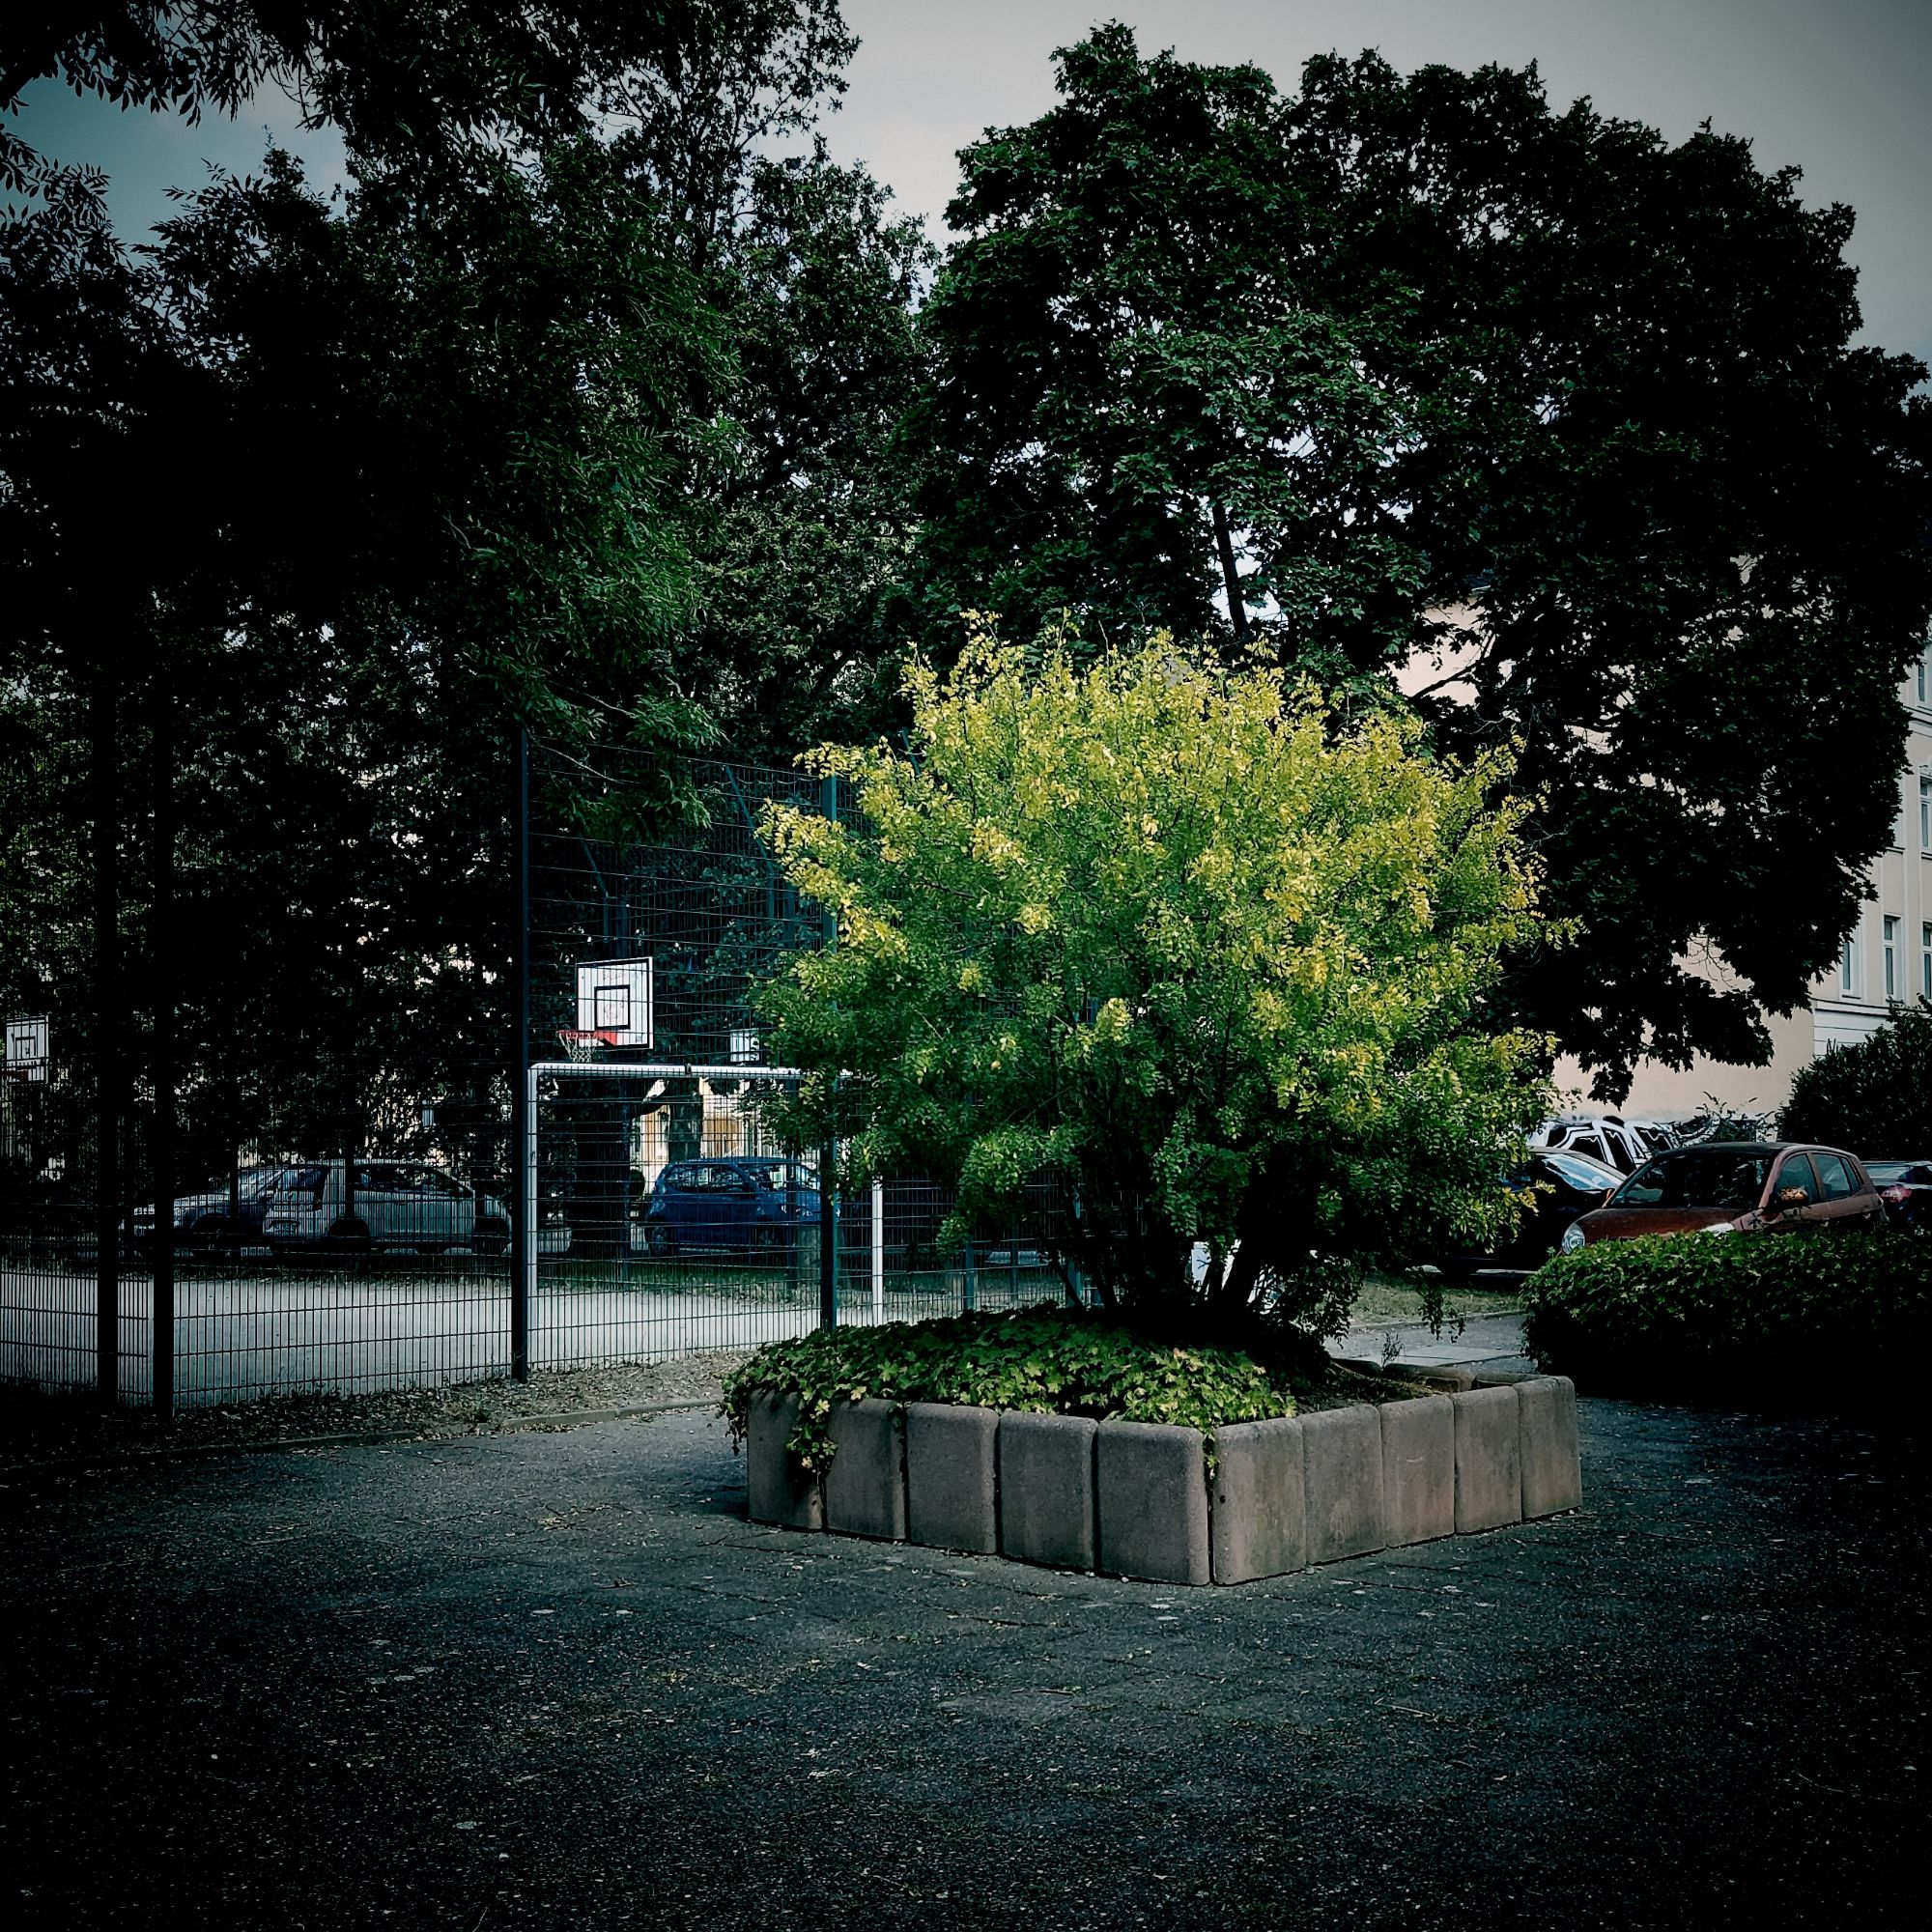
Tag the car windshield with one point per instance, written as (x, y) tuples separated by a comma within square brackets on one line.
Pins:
[(1731, 1178), (772, 1174), (1583, 1173), (1888, 1173)]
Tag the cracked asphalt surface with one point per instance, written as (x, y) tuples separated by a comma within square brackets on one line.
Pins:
[(557, 1680)]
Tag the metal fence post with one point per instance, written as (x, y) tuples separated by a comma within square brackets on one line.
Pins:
[(523, 1081), (828, 1153), (108, 1024), (878, 1249), (828, 1237), (161, 1333)]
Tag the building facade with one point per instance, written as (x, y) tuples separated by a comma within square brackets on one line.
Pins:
[(1886, 959)]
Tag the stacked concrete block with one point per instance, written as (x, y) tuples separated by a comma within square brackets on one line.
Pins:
[(1151, 1491), (865, 1481), (1418, 1469), (953, 1476), (780, 1489), (1046, 1488), (1552, 1469), (1258, 1521), (1342, 1478), (1488, 1459), (1135, 1499)]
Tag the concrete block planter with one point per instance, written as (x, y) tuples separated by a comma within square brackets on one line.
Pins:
[(1150, 1490), (953, 1476), (1046, 1488), (1418, 1469), (1552, 1473), (1260, 1523), (1136, 1500), (1489, 1458), (779, 1490), (1342, 1481), (865, 1486)]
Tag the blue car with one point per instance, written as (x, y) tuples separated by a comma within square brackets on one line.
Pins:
[(748, 1204)]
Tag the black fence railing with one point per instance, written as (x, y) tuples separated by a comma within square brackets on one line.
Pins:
[(344, 1210)]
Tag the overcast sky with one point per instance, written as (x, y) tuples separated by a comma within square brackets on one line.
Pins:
[(1840, 88)]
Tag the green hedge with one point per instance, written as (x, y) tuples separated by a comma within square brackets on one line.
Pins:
[(1061, 1361), (1679, 1308)]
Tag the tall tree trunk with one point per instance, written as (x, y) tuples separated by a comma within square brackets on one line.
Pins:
[(1224, 542)]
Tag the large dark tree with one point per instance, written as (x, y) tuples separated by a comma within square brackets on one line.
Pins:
[(328, 495), (1405, 367)]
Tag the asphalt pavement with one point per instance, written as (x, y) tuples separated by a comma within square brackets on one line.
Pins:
[(559, 1681)]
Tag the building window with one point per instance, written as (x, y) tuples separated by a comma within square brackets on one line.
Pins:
[(1848, 966), (1925, 958), (1925, 811), (1925, 675), (1891, 958)]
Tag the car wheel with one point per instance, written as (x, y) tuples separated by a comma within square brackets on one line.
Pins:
[(492, 1239), (212, 1233), (659, 1239), (348, 1236)]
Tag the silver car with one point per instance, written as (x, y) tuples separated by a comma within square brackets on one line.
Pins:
[(393, 1205)]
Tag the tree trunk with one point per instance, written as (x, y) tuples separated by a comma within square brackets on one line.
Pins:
[(1224, 542)]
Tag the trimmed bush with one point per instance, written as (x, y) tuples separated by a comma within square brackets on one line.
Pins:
[(1686, 1307), (1873, 1096), (1055, 1361)]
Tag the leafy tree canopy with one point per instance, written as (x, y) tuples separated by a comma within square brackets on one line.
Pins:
[(1177, 937), (335, 491), (1405, 371)]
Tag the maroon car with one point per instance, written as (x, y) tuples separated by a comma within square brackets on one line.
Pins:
[(1736, 1187)]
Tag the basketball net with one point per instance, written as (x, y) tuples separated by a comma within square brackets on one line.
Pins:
[(583, 1043)]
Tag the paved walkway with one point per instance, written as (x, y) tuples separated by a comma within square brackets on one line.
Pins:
[(1485, 1344), (558, 1682)]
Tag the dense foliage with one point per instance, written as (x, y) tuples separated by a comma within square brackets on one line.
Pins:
[(1565, 422), (1212, 956), (1873, 1096), (1674, 1308), (1056, 1360), (309, 501)]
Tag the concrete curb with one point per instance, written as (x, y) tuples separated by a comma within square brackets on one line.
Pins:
[(1135, 1499)]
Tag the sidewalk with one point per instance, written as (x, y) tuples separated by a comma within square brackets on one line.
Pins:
[(1487, 1344)]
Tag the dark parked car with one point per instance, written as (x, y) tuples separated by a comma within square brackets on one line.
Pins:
[(748, 1204), (1736, 1187), (1568, 1184), (216, 1216), (1905, 1187)]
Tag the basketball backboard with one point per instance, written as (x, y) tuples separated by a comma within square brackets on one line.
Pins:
[(27, 1049), (614, 996)]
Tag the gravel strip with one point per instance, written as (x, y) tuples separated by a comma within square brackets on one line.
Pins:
[(38, 1428)]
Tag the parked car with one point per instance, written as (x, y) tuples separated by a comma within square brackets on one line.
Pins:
[(746, 1204), (1741, 1187), (1905, 1187), (395, 1205), (1604, 1138), (1568, 1184), (215, 1215)]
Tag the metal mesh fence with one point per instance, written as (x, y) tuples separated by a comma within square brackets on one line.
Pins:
[(343, 1204)]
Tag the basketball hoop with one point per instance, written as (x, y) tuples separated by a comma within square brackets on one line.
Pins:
[(581, 1043)]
